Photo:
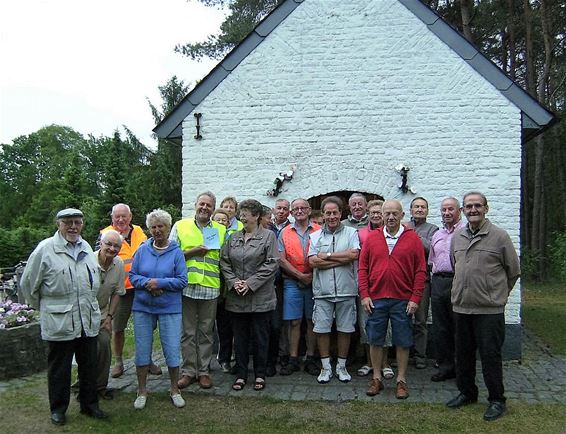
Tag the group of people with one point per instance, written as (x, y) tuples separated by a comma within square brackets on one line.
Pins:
[(257, 278)]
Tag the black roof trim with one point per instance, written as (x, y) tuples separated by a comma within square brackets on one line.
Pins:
[(539, 118)]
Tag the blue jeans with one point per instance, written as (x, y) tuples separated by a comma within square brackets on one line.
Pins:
[(169, 331)]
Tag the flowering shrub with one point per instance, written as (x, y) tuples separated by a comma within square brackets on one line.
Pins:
[(16, 314)]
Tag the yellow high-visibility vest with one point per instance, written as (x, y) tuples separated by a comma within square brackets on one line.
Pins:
[(202, 270)]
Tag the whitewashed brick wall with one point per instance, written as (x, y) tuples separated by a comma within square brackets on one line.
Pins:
[(346, 91)]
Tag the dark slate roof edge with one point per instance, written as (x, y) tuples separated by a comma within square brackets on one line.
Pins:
[(170, 123), (484, 66)]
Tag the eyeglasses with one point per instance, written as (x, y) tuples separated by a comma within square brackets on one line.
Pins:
[(375, 213), (116, 246), (77, 222), (301, 209), (473, 205)]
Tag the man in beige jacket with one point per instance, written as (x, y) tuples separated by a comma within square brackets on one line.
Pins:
[(486, 268)]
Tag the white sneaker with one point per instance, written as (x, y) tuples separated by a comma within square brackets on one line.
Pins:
[(324, 376), (343, 374), (178, 400), (139, 403)]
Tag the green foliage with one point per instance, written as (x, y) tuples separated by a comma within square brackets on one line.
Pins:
[(17, 244), (544, 313), (243, 16), (166, 163), (557, 256)]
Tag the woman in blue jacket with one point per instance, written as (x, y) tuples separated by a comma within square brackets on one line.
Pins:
[(159, 275)]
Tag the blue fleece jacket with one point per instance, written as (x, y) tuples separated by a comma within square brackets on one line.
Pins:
[(170, 270)]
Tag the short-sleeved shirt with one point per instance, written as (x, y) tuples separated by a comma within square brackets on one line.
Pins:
[(111, 282)]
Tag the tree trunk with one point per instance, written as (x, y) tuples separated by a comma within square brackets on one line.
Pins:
[(529, 56), (511, 52), (538, 235), (466, 10)]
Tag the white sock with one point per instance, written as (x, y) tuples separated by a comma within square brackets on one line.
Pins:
[(325, 362), (341, 362)]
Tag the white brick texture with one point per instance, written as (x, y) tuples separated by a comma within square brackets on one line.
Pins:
[(346, 91)]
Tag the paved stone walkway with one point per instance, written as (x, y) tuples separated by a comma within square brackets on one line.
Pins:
[(540, 377)]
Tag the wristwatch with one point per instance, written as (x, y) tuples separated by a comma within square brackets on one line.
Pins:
[(328, 255)]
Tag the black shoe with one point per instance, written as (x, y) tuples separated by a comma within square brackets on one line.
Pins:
[(270, 371), (284, 360), (442, 376), (58, 418), (460, 401), (107, 394), (292, 366), (495, 410), (94, 412), (311, 367)]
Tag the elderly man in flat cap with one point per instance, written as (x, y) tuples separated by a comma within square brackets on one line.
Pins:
[(62, 279)]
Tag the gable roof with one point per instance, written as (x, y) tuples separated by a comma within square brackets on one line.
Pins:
[(535, 118)]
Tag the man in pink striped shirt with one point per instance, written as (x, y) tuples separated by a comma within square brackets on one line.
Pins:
[(441, 286)]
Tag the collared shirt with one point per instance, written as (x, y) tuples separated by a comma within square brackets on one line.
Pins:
[(439, 255), (74, 249), (233, 225), (277, 228), (355, 223), (391, 240), (304, 237)]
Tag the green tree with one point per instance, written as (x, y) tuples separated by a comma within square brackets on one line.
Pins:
[(243, 16), (166, 163)]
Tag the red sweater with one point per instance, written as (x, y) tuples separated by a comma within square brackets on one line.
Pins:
[(401, 275)]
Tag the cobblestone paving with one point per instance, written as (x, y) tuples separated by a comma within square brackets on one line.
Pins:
[(540, 377)]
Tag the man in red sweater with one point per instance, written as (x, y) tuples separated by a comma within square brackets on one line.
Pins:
[(392, 275)]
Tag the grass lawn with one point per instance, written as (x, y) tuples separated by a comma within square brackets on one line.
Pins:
[(25, 410), (544, 313)]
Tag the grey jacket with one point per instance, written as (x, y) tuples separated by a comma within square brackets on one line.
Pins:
[(341, 281), (255, 261), (425, 231), (65, 290), (486, 268)]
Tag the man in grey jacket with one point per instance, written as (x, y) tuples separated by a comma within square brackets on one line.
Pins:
[(333, 255), (62, 279), (425, 231), (486, 268)]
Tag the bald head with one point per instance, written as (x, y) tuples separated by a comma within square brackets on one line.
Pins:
[(392, 211)]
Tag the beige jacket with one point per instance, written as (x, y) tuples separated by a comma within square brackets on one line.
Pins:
[(486, 267), (255, 261), (65, 290)]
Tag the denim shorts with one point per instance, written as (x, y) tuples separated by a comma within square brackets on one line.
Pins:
[(297, 302), (394, 310), (169, 332), (343, 310)]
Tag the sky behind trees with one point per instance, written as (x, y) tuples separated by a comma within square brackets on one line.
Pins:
[(91, 65)]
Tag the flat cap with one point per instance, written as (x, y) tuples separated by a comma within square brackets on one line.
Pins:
[(69, 212)]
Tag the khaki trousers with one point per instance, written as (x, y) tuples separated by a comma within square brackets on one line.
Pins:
[(198, 335), (104, 354)]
